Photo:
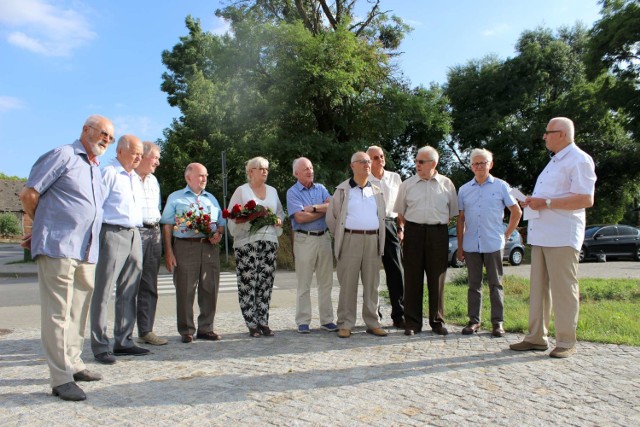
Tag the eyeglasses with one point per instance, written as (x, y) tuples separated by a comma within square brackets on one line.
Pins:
[(261, 169), (380, 157), (547, 132), (104, 134), (479, 164), (363, 161), (422, 162)]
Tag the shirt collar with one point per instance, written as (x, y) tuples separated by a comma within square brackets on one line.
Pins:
[(79, 149), (490, 180), (188, 190), (354, 184), (566, 150), (301, 187)]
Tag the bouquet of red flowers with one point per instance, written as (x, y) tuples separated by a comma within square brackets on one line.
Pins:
[(194, 219), (257, 215)]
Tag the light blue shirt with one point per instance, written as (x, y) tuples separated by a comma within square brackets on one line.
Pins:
[(483, 207), (298, 196), (182, 201), (69, 212), (124, 198)]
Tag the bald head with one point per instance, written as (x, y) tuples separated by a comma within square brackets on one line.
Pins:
[(129, 152)]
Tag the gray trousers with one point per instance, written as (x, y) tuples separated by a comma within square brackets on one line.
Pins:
[(119, 263), (148, 288), (493, 263)]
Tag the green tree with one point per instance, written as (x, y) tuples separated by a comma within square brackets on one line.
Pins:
[(293, 78), (504, 106), (9, 225), (615, 46)]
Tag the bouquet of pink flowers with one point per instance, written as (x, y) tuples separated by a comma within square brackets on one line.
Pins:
[(257, 215), (194, 219)]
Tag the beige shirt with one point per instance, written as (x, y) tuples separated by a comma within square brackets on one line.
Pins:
[(427, 201)]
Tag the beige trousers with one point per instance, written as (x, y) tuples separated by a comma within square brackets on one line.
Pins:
[(359, 259), (313, 253), (66, 286), (554, 280)]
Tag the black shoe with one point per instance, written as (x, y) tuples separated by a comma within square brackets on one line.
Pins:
[(86, 375), (131, 351), (440, 330), (470, 328), (69, 391), (187, 338), (208, 336), (409, 332), (106, 358), (399, 323)]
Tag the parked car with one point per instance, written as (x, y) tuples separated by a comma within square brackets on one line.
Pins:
[(612, 241), (513, 248)]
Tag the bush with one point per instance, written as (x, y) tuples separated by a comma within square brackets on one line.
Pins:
[(9, 225)]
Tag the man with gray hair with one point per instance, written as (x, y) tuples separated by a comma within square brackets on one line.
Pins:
[(564, 189), (120, 259), (64, 196), (151, 237), (307, 203), (390, 182), (426, 203), (356, 220), (481, 237)]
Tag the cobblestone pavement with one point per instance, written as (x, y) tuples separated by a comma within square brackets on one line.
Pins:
[(319, 379)]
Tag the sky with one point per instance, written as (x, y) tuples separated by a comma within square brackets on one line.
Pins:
[(63, 60)]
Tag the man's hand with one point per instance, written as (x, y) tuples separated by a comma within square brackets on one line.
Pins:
[(216, 238), (26, 241), (460, 255), (170, 261)]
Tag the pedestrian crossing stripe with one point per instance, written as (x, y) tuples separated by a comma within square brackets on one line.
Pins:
[(228, 284)]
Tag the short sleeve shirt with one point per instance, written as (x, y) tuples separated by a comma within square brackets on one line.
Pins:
[(182, 201), (298, 196)]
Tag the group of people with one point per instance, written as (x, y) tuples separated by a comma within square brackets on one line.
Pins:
[(93, 229)]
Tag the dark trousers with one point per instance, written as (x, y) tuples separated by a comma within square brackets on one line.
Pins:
[(198, 268), (392, 262), (148, 288), (425, 251)]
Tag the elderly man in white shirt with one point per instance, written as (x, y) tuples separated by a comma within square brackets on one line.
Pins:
[(563, 190), (389, 183), (120, 258)]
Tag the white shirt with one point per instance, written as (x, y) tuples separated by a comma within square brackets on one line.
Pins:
[(362, 212), (571, 171), (389, 183), (123, 204), (151, 203)]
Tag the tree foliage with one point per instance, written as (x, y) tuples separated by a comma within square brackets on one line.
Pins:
[(504, 106), (293, 78), (9, 225)]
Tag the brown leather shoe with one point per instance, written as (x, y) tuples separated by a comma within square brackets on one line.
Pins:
[(399, 324), (497, 331), (208, 336), (187, 338), (344, 333), (471, 328), (440, 330), (379, 332)]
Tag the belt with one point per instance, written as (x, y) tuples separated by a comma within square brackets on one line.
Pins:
[(119, 227), (151, 226), (194, 239), (390, 218), (346, 230), (311, 233), (415, 224)]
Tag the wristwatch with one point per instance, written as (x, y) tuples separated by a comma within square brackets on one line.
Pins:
[(315, 209), (548, 202)]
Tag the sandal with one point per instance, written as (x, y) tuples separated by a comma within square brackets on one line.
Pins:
[(254, 333), (266, 331)]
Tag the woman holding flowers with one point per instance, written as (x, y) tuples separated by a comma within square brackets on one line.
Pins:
[(255, 222)]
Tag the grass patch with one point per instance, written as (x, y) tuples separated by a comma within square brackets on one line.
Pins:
[(608, 308)]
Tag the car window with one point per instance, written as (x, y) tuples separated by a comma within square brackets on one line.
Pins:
[(625, 230), (607, 232), (452, 232)]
